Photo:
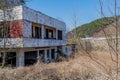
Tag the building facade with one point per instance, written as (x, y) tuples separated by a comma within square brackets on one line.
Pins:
[(34, 36)]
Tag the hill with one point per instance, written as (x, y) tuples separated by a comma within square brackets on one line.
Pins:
[(91, 28)]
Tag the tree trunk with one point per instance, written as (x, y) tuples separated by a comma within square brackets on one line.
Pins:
[(4, 59)]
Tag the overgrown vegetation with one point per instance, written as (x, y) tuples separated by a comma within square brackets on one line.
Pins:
[(90, 28), (81, 67)]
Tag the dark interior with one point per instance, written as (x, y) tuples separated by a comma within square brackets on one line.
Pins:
[(10, 59), (53, 53), (30, 58)]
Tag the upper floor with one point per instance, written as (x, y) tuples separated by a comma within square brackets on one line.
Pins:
[(31, 26)]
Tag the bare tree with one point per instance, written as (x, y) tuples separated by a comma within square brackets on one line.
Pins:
[(112, 40), (115, 47), (7, 19)]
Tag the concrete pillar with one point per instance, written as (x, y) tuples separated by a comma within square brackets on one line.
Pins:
[(50, 58), (20, 61), (56, 53), (43, 32), (38, 56), (45, 56)]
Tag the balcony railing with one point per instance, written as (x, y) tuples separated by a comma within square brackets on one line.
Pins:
[(30, 42)]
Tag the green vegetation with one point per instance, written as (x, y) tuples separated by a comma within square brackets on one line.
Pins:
[(90, 28)]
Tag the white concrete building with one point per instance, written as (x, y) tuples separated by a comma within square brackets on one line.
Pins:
[(33, 36)]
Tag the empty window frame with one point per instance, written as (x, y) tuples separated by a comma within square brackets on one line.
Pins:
[(49, 34), (36, 31), (60, 37)]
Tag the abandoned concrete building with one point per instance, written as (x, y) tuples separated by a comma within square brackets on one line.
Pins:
[(34, 36)]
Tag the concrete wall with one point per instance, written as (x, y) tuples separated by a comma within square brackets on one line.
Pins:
[(27, 31), (99, 43), (68, 50), (12, 14), (11, 43)]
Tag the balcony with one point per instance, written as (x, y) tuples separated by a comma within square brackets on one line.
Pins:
[(30, 42)]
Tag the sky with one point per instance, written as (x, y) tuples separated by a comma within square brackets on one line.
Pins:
[(64, 10)]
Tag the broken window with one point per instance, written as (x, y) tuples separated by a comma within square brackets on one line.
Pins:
[(46, 33), (36, 31), (59, 35), (49, 34)]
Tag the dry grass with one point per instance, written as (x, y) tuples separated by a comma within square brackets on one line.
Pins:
[(81, 67)]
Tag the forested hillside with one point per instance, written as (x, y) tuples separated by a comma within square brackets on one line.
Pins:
[(90, 28)]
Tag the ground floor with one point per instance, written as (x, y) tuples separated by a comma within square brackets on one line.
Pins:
[(30, 56)]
